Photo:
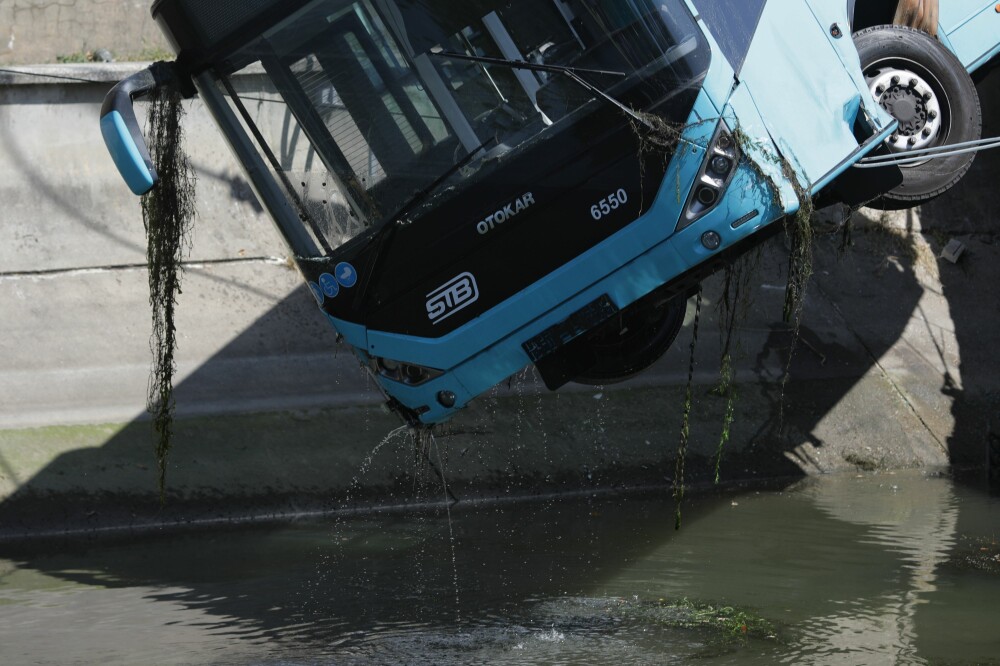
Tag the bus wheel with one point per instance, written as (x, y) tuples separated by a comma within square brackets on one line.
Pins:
[(922, 85), (632, 341)]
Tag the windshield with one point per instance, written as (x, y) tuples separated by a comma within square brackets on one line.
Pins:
[(368, 107)]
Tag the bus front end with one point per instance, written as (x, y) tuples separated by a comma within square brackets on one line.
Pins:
[(473, 186)]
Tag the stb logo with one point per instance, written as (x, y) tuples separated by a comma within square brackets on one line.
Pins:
[(457, 295)]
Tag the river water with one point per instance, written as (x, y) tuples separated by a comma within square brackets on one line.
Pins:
[(871, 569)]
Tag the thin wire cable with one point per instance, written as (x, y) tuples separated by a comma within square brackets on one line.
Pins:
[(925, 154), (933, 149), (58, 77), (928, 151)]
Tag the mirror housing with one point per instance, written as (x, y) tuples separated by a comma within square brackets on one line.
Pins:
[(121, 131)]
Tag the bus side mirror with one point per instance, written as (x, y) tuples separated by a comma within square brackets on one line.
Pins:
[(121, 131)]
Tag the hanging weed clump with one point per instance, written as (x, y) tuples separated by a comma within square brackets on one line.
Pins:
[(799, 230), (655, 136), (682, 445), (167, 213), (660, 137), (737, 296), (654, 132), (734, 307)]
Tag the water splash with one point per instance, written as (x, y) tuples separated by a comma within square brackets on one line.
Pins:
[(733, 309), (328, 560), (552, 636), (367, 462), (451, 528)]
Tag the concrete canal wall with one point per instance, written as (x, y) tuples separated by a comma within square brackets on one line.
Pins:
[(43, 31), (896, 366)]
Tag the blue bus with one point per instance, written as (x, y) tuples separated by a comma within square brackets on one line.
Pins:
[(472, 186)]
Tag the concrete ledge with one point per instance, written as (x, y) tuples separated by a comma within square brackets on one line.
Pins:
[(257, 466), (68, 74)]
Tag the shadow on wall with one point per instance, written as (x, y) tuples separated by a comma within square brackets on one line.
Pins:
[(971, 214), (245, 434), (521, 440), (883, 288)]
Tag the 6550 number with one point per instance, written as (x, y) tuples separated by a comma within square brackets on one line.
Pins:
[(609, 204)]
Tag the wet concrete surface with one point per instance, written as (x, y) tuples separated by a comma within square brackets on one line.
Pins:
[(895, 367)]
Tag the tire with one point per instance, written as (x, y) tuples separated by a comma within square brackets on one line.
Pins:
[(889, 50), (633, 341)]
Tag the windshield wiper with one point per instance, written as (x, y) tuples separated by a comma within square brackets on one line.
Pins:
[(421, 195), (570, 72), (382, 236)]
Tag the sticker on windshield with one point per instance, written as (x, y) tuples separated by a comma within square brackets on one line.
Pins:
[(329, 285), (346, 275), (317, 292)]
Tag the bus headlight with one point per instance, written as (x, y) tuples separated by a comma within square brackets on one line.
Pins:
[(713, 178), (404, 373)]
